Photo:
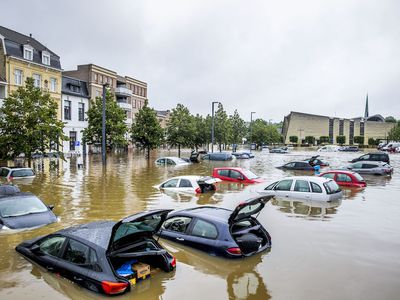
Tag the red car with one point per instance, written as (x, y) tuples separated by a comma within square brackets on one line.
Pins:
[(345, 178), (236, 175)]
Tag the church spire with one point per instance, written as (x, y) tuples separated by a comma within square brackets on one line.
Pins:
[(366, 114)]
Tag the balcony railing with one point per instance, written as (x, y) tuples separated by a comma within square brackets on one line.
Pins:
[(123, 91)]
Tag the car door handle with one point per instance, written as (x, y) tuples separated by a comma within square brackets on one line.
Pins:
[(77, 278), (180, 239)]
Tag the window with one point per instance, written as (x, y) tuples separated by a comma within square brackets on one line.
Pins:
[(356, 166), (72, 140), (329, 175), (67, 110), (95, 77), (270, 187), (81, 111), (170, 162), (185, 183), (28, 53), (365, 157), (134, 103), (53, 84), (224, 173), (161, 161), (343, 178), (170, 183), (290, 165), (301, 186), (331, 187), (315, 187), (302, 165), (52, 245), (284, 185), (46, 58), (235, 174), (22, 173), (37, 80), (369, 166), (178, 224), (18, 77), (77, 253), (205, 229)]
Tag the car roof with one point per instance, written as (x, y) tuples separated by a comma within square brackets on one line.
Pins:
[(308, 178), (297, 161), (230, 168), (212, 213), (339, 171), (190, 177), (98, 233), (16, 195), (374, 162), (376, 152)]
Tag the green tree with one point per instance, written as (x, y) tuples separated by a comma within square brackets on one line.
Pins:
[(116, 128), (180, 128), (222, 127), (264, 133), (340, 139), (201, 133), (29, 122), (371, 141), (323, 139), (310, 139), (359, 140), (239, 128), (394, 133), (293, 139), (390, 119), (146, 130)]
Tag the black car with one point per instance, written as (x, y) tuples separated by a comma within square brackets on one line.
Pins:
[(315, 160), (374, 156), (349, 149), (23, 210), (220, 231), (297, 165), (101, 256)]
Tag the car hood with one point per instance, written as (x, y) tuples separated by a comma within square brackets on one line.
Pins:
[(136, 226), (30, 220), (248, 208)]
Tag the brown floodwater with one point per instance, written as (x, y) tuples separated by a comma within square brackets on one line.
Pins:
[(349, 249)]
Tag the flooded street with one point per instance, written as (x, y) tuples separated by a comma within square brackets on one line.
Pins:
[(344, 250)]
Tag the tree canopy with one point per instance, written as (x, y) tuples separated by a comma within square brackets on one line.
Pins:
[(264, 133), (239, 128)]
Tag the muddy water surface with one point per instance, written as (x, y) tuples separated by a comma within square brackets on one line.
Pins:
[(345, 250)]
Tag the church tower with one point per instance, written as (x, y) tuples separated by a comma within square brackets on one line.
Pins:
[(366, 114)]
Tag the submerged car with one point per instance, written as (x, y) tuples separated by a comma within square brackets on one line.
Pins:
[(297, 165), (23, 210), (328, 148), (349, 149), (236, 175), (105, 257), (220, 231), (221, 156), (16, 173), (243, 154), (305, 188), (373, 156), (370, 167), (189, 184), (316, 161), (281, 150), (345, 178), (171, 161)]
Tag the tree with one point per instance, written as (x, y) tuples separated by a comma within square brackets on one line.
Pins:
[(359, 140), (180, 128), (146, 130), (222, 128), (310, 139), (264, 133), (323, 139), (340, 139), (29, 122), (116, 128), (239, 128), (390, 119), (201, 133), (372, 141), (394, 133), (293, 139)]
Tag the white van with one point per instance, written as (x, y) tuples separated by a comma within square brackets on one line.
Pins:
[(329, 148)]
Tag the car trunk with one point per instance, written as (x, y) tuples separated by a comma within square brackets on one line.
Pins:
[(207, 184)]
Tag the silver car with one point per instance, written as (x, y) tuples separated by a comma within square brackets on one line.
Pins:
[(370, 167)]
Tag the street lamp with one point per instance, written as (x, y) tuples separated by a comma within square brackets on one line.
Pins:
[(103, 126), (212, 125), (251, 122)]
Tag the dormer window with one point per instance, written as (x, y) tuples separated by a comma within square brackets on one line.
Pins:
[(28, 52), (46, 58)]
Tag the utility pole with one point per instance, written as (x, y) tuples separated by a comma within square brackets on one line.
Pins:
[(103, 126), (251, 128), (212, 125)]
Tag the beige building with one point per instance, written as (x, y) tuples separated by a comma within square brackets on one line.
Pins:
[(303, 124), (130, 93), (163, 117)]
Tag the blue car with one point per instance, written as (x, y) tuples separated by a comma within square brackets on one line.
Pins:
[(220, 231), (221, 156), (243, 154)]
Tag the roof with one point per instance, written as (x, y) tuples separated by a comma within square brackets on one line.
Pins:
[(14, 42), (230, 168), (98, 233), (209, 212), (74, 87), (309, 178)]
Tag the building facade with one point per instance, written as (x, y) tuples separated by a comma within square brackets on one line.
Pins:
[(130, 93), (75, 100), (163, 117), (23, 56), (302, 124)]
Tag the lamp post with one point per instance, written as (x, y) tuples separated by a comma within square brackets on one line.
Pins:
[(103, 126), (212, 125), (251, 127)]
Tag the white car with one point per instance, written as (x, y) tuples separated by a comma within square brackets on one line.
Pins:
[(171, 161), (189, 184), (16, 173), (329, 148), (304, 188)]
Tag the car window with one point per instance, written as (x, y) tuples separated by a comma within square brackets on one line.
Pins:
[(4, 172), (302, 165), (331, 187), (16, 206), (284, 185), (343, 178), (185, 183), (178, 224), (207, 156), (329, 175), (235, 174), (357, 166), (369, 166), (365, 157), (270, 187), (170, 183), (52, 245), (290, 165), (161, 161), (358, 176), (224, 173), (301, 186), (315, 187), (77, 253), (205, 229), (249, 174), (22, 173), (170, 162)]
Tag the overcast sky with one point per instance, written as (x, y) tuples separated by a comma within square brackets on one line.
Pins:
[(271, 57)]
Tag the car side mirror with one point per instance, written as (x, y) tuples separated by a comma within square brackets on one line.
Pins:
[(36, 249), (349, 168), (51, 206)]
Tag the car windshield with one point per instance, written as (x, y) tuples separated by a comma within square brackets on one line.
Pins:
[(358, 176), (22, 173), (331, 187), (249, 174), (20, 206)]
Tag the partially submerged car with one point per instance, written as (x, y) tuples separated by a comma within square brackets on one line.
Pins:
[(297, 165), (328, 148), (349, 149), (316, 161), (345, 178), (243, 154), (373, 156), (305, 188), (189, 184), (236, 175), (220, 231), (221, 156), (195, 155), (281, 150), (105, 257), (370, 167), (171, 161), (23, 210), (12, 173)]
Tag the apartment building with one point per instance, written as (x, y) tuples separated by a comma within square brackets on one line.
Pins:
[(22, 56)]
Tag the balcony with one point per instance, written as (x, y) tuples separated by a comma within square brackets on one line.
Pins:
[(125, 105), (123, 91)]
